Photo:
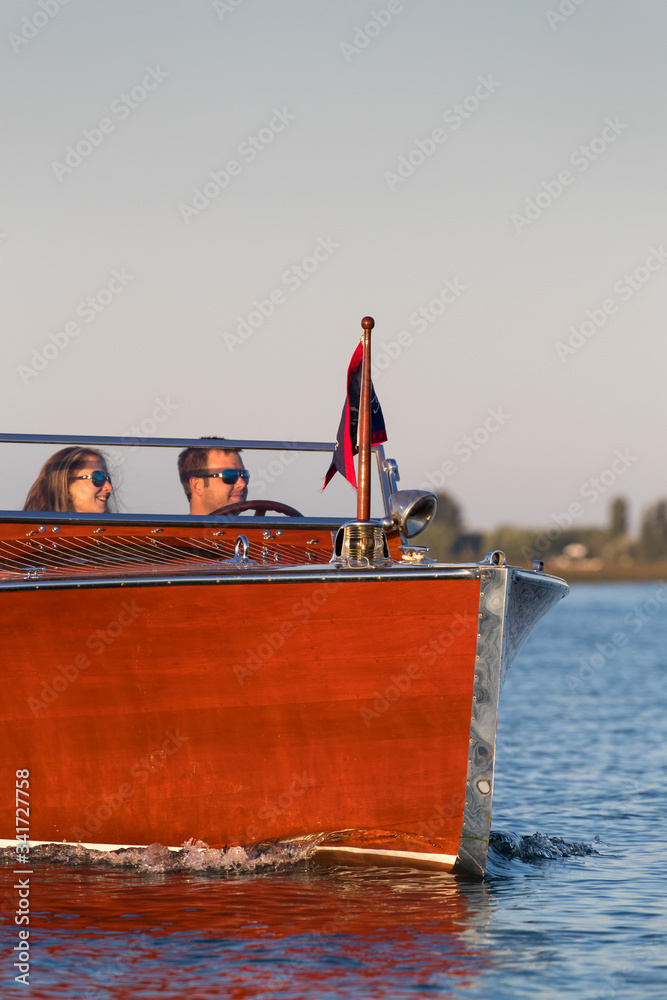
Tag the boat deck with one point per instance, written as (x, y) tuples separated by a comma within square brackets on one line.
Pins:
[(70, 551)]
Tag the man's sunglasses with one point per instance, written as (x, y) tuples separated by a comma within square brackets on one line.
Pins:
[(97, 478), (228, 476)]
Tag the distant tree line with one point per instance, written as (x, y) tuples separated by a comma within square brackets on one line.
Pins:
[(449, 540)]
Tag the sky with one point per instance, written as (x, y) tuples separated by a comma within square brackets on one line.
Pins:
[(201, 200)]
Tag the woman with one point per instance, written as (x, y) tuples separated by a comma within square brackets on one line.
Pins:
[(74, 479)]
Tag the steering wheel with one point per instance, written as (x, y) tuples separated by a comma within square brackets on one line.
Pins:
[(259, 506)]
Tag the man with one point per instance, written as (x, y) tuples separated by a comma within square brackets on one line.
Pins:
[(212, 478)]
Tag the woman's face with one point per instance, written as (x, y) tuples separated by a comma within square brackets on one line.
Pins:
[(86, 497)]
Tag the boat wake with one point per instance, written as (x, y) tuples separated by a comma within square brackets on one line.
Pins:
[(536, 848), (268, 856), (193, 856)]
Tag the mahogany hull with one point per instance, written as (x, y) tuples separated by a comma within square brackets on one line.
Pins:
[(232, 710)]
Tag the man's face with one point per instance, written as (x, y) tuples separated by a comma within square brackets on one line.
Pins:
[(211, 492)]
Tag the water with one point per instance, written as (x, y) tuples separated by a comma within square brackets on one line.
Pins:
[(573, 902)]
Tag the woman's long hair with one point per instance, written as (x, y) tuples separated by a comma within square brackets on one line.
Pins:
[(50, 491)]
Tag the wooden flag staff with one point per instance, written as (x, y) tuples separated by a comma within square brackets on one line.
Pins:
[(364, 437)]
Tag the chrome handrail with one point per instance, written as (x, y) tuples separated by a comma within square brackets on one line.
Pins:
[(156, 442)]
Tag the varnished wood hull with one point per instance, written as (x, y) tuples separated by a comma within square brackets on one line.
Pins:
[(325, 705), (336, 708)]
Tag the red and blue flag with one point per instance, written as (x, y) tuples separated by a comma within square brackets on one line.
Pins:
[(348, 431)]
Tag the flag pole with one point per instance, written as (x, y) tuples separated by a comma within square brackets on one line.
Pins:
[(364, 442)]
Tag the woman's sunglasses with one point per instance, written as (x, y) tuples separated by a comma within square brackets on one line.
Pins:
[(97, 478), (228, 476)]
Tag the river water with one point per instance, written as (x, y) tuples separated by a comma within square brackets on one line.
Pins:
[(574, 900)]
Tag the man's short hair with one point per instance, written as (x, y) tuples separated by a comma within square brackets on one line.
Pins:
[(192, 462)]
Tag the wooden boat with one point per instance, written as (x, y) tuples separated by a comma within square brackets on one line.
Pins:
[(234, 679)]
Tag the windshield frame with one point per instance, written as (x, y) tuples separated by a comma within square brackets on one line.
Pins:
[(109, 441)]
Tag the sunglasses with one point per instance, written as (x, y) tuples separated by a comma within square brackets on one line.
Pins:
[(97, 478), (228, 476)]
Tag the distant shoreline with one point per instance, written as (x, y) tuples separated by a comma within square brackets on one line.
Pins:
[(609, 572)]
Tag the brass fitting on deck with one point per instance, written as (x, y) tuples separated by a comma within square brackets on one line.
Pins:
[(360, 544)]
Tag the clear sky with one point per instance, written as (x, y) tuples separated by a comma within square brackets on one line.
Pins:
[(201, 200)]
